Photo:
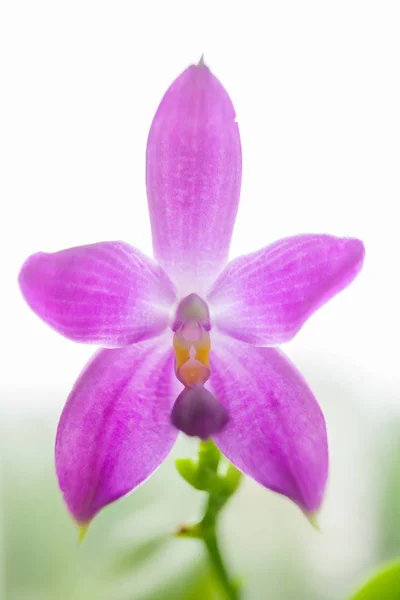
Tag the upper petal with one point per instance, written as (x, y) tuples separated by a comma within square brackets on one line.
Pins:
[(115, 429), (264, 298), (108, 293), (276, 431), (193, 178)]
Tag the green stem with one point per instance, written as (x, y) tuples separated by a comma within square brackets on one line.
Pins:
[(204, 475), (211, 543)]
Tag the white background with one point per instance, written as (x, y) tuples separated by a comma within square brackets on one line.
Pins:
[(317, 94)]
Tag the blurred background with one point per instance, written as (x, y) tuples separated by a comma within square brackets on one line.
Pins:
[(317, 94)]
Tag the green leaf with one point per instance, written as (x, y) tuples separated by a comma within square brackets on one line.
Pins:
[(132, 558), (187, 469), (201, 474), (383, 586), (232, 480), (195, 584)]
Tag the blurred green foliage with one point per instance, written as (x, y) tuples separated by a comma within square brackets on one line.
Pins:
[(385, 585), (131, 554), (124, 557), (389, 508)]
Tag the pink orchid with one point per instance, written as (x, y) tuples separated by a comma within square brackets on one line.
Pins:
[(188, 339)]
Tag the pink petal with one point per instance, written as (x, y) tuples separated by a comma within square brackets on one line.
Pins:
[(108, 293), (115, 429), (193, 178), (264, 298), (276, 431)]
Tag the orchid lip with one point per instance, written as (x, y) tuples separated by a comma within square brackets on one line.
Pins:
[(198, 413)]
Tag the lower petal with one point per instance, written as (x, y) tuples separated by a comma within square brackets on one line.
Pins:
[(115, 429), (276, 431)]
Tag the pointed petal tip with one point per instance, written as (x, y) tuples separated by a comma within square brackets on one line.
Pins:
[(358, 248), (312, 518), (25, 272), (201, 62), (82, 531), (354, 249)]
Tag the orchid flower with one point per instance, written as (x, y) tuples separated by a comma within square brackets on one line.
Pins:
[(189, 340)]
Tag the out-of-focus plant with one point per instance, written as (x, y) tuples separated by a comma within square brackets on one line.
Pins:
[(125, 557), (385, 585), (389, 483)]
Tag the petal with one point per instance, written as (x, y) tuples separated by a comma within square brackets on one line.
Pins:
[(264, 298), (193, 178), (115, 429), (276, 431), (108, 293)]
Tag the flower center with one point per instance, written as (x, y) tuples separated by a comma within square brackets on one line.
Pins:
[(196, 411), (192, 348), (192, 308)]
